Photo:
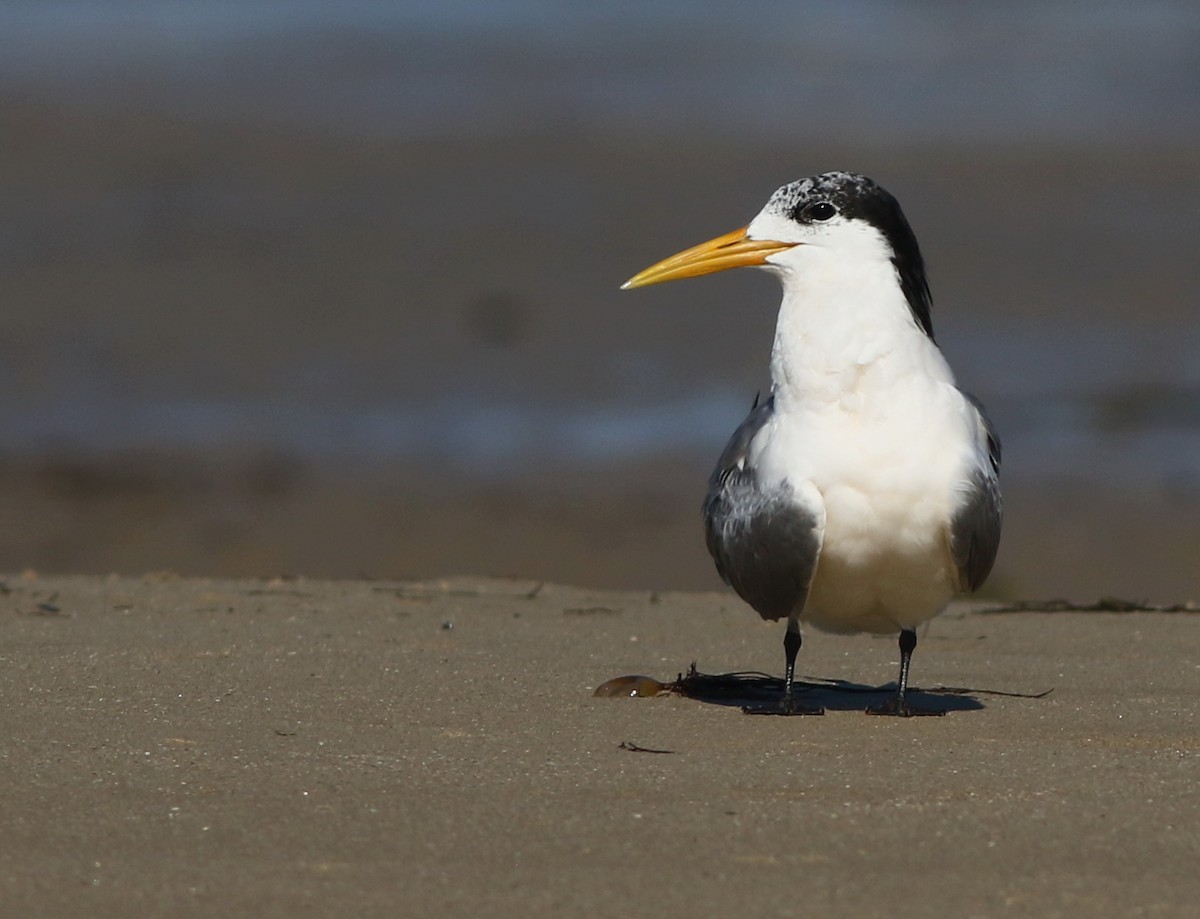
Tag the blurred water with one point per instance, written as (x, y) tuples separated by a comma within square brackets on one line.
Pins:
[(1110, 394), (1013, 72)]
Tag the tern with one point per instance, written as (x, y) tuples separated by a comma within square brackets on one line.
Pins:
[(863, 494)]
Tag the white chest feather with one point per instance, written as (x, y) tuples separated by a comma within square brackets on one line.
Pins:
[(867, 412)]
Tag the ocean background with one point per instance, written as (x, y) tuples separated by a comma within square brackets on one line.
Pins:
[(380, 244)]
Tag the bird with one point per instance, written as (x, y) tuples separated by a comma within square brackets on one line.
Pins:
[(862, 494)]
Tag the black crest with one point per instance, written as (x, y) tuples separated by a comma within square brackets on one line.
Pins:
[(857, 197)]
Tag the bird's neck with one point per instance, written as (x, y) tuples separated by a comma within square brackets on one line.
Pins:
[(846, 330)]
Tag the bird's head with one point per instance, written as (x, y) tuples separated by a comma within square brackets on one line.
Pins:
[(842, 213)]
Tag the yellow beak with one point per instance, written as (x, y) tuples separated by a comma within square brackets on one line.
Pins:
[(733, 250)]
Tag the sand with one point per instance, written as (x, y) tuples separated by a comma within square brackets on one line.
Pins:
[(297, 747)]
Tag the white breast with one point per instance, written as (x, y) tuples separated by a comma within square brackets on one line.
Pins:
[(867, 412)]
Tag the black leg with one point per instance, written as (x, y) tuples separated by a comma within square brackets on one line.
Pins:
[(792, 639), (898, 704), (908, 644), (788, 704)]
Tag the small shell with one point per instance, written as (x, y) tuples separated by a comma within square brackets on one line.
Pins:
[(630, 686)]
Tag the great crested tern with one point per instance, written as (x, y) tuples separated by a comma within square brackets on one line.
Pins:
[(863, 493)]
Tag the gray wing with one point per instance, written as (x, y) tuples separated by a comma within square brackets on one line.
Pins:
[(975, 529), (764, 542)]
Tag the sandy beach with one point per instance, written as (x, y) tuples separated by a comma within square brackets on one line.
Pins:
[(299, 747)]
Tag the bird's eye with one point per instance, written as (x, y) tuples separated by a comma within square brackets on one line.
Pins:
[(822, 210)]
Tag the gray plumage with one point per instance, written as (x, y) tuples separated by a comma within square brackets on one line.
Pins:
[(975, 529), (764, 544)]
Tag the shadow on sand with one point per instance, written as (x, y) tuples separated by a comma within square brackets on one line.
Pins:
[(762, 694)]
